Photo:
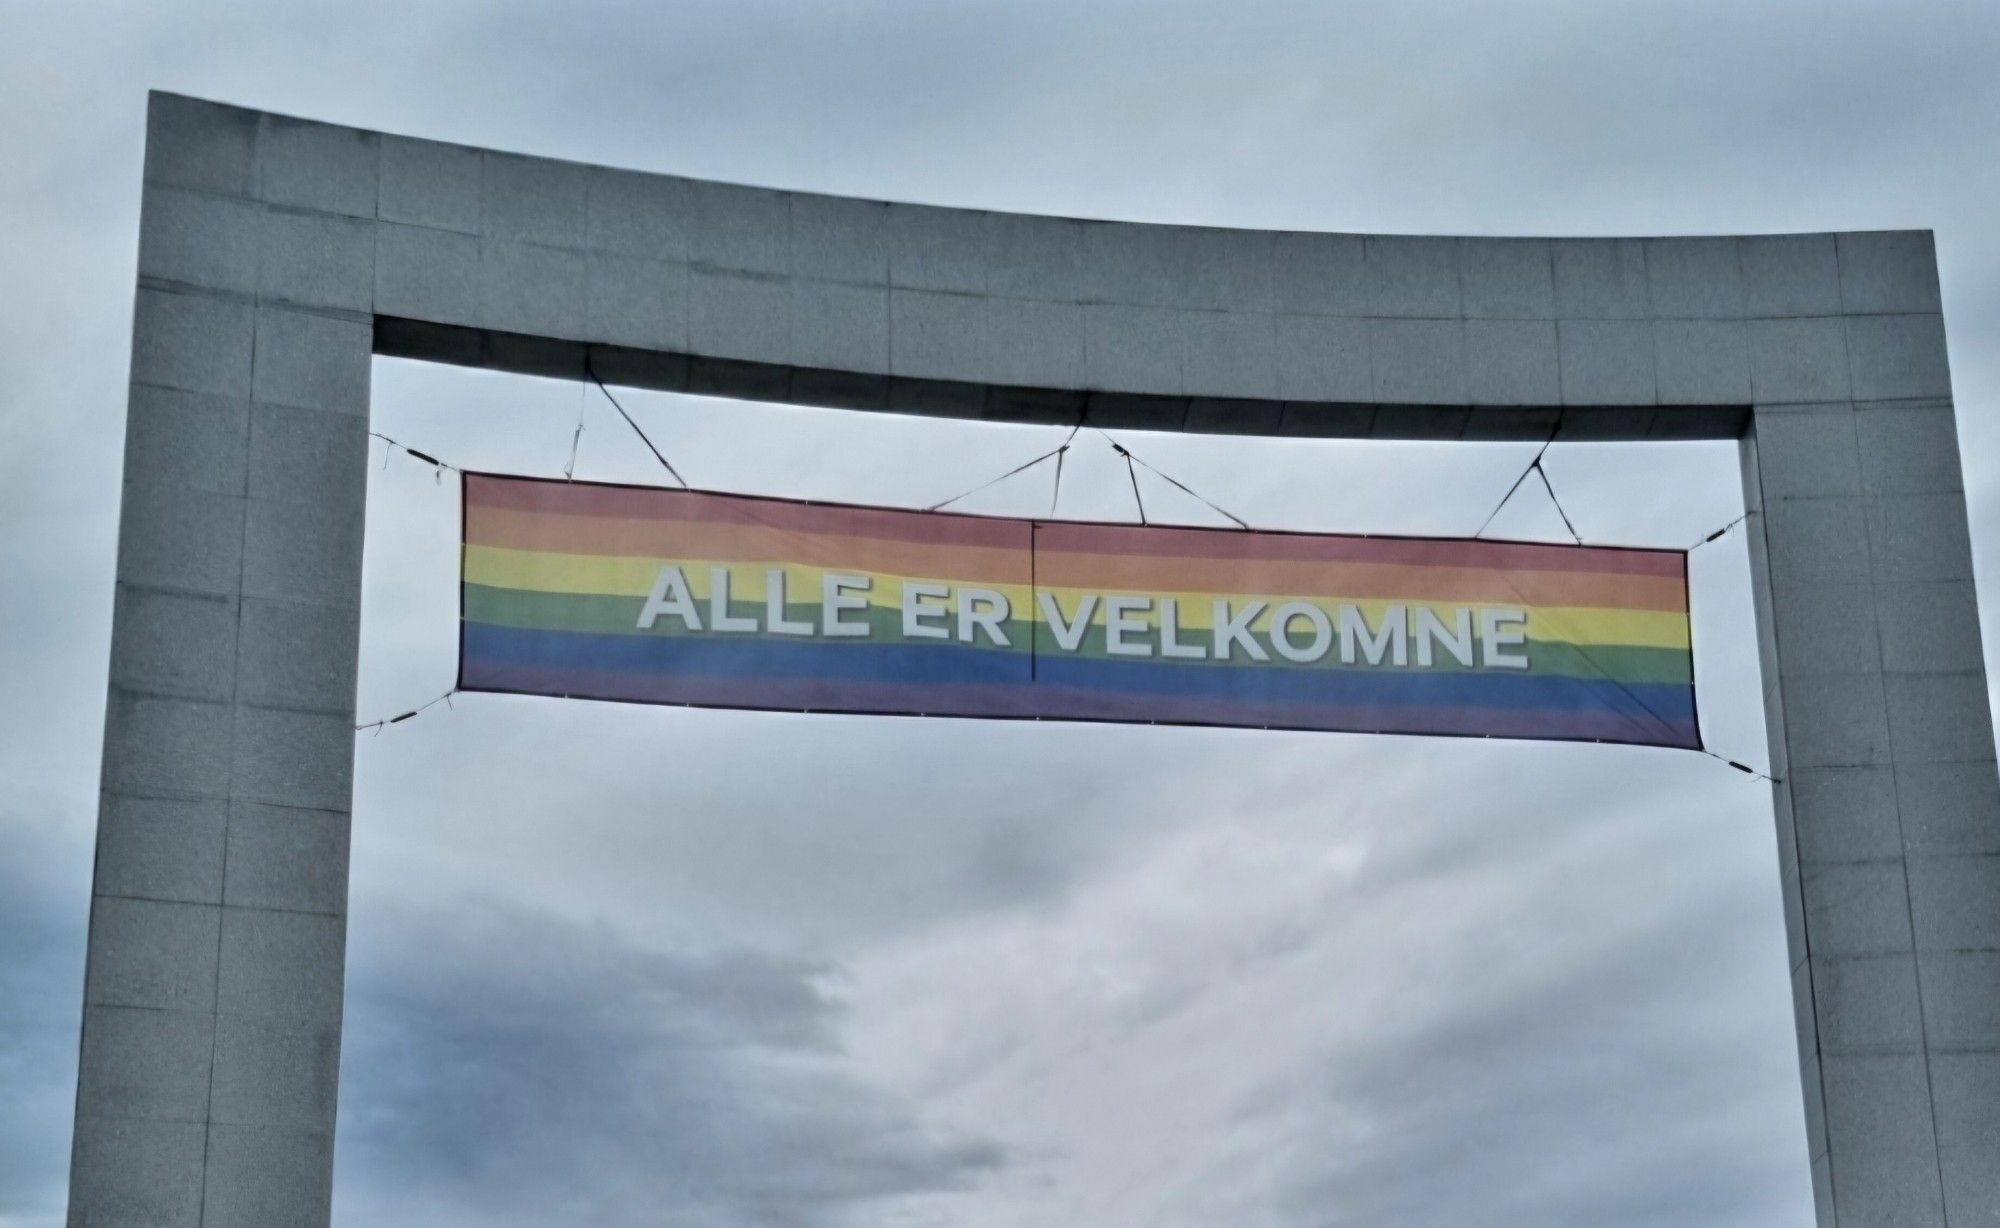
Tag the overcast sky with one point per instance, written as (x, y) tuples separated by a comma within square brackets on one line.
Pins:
[(626, 966)]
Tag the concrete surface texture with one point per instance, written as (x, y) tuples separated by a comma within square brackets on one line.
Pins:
[(278, 255)]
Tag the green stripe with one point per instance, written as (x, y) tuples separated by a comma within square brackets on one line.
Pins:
[(613, 615)]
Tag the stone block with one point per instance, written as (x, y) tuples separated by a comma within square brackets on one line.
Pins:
[(734, 315), (430, 183), (533, 200), (165, 747), (318, 166), (1919, 537), (1845, 814), (1939, 718), (1966, 1109), (1790, 275), (1229, 354), (1702, 362), (160, 848), (199, 239), (937, 249), (1037, 344), (1135, 265), (1132, 349), (144, 1064), (1607, 362), (842, 325), (1908, 449), (129, 1172), (1600, 279), (181, 645), (1507, 278), (1699, 278), (638, 302), (1856, 908), (285, 966), (1884, 1153), (1961, 998), (204, 145), (1949, 808), (1888, 271), (259, 1176), (1898, 356), (1319, 274), (317, 260), (308, 456), (151, 954), (1418, 361), (1411, 275), (1929, 628), (1835, 720), (1512, 362), (1228, 270), (1798, 360), (1816, 541), (526, 288), (1031, 257), (287, 859), (298, 656), (741, 229), (635, 214), (194, 342), (1323, 358), (302, 553), (1811, 454), (276, 1073), (1867, 1003), (301, 759), (836, 238), (937, 336), (426, 274), (187, 439), (313, 361), (1952, 903)]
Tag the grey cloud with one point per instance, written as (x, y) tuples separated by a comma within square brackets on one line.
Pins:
[(510, 1068)]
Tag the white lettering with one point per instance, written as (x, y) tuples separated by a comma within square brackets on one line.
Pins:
[(670, 595), (835, 600), (774, 606), (1493, 637), (917, 596), (1431, 631), (1392, 641), (1170, 627), (1119, 623), (1232, 630), (985, 609), (719, 617), (1067, 637), (1281, 631)]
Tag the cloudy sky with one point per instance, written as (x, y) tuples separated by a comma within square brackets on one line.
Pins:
[(625, 966)]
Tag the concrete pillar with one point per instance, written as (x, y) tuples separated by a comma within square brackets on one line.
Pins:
[(211, 1033)]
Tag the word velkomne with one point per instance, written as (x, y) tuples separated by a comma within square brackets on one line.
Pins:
[(1301, 632)]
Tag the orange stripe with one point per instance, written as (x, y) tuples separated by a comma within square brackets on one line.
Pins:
[(740, 543)]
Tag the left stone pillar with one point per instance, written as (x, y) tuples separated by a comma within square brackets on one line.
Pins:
[(212, 1003)]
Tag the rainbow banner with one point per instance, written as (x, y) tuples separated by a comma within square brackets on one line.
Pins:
[(681, 597)]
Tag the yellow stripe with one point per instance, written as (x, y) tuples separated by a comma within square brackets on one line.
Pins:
[(622, 576)]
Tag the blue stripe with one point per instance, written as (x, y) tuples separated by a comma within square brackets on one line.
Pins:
[(951, 663)]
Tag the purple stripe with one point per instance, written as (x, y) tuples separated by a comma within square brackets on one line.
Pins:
[(1057, 703)]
